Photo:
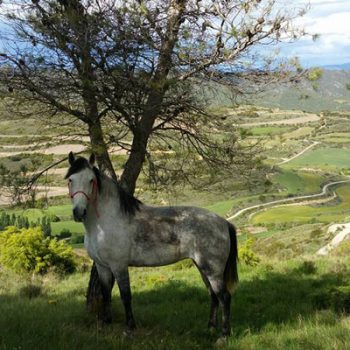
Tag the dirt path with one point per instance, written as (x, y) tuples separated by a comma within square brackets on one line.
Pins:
[(292, 121), (43, 191), (299, 154), (343, 232), (60, 150)]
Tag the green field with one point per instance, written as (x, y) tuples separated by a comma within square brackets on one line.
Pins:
[(299, 182), (295, 305), (63, 212), (269, 130), (326, 158), (300, 214)]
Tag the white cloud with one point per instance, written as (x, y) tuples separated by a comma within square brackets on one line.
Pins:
[(330, 19)]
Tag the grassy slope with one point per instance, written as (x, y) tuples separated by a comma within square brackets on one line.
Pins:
[(290, 305), (300, 214), (328, 158), (299, 182)]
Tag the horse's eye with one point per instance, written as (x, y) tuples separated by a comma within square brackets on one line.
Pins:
[(69, 180), (91, 181)]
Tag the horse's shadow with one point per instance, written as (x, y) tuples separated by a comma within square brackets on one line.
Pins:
[(272, 298), (177, 311)]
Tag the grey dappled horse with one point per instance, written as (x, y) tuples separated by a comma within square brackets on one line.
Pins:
[(122, 232)]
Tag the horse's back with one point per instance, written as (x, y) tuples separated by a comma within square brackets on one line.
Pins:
[(176, 232)]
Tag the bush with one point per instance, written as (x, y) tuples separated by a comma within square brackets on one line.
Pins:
[(27, 250), (65, 233), (246, 254), (77, 238)]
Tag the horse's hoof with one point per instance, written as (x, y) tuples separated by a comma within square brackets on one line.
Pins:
[(212, 330), (128, 333), (107, 320), (222, 341)]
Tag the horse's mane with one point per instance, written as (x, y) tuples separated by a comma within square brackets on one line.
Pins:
[(128, 203)]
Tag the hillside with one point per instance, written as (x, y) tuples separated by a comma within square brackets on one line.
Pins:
[(329, 93)]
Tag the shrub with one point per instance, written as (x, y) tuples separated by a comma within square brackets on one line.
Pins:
[(27, 250), (31, 290), (307, 268), (65, 233), (315, 233), (77, 238), (246, 254)]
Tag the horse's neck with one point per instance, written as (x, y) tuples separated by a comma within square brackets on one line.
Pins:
[(107, 200)]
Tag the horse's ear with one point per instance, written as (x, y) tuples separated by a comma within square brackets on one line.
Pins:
[(92, 159), (71, 158)]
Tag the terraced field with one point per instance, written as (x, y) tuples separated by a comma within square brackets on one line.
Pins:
[(283, 134)]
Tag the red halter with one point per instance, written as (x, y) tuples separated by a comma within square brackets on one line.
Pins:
[(94, 189)]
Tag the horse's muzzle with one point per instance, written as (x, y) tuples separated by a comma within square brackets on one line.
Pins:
[(79, 214)]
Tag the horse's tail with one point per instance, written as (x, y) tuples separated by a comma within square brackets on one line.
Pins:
[(231, 273)]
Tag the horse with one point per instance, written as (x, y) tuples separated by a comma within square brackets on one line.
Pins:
[(121, 231)]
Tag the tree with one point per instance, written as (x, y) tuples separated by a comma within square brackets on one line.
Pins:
[(142, 68)]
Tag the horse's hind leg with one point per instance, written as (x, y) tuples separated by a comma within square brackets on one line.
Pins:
[(213, 316), (224, 297), (107, 282)]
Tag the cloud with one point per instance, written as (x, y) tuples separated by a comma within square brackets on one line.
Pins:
[(330, 19)]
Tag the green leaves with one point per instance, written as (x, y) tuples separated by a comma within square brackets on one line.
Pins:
[(27, 250)]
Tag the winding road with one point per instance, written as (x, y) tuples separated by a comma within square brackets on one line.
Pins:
[(287, 200)]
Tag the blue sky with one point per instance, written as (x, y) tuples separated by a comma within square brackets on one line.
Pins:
[(328, 18), (331, 20)]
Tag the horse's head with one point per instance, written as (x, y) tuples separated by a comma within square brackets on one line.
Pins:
[(83, 184)]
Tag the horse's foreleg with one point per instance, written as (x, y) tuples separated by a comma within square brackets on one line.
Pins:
[(123, 281), (107, 281)]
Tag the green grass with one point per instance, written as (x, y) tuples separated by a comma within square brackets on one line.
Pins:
[(72, 226), (221, 208), (327, 158), (300, 214), (269, 130), (64, 212), (299, 182), (294, 305)]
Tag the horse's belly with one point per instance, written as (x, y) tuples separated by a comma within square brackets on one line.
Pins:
[(164, 255)]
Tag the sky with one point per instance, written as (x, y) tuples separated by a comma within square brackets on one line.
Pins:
[(331, 20), (328, 18)]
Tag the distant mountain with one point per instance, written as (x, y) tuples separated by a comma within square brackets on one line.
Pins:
[(330, 93), (344, 66)]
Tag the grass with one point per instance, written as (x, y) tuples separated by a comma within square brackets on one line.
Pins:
[(300, 214), (327, 158), (269, 130), (72, 226), (299, 182), (221, 208), (289, 305)]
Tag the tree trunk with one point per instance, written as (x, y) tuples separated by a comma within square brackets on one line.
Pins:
[(94, 298), (99, 148)]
